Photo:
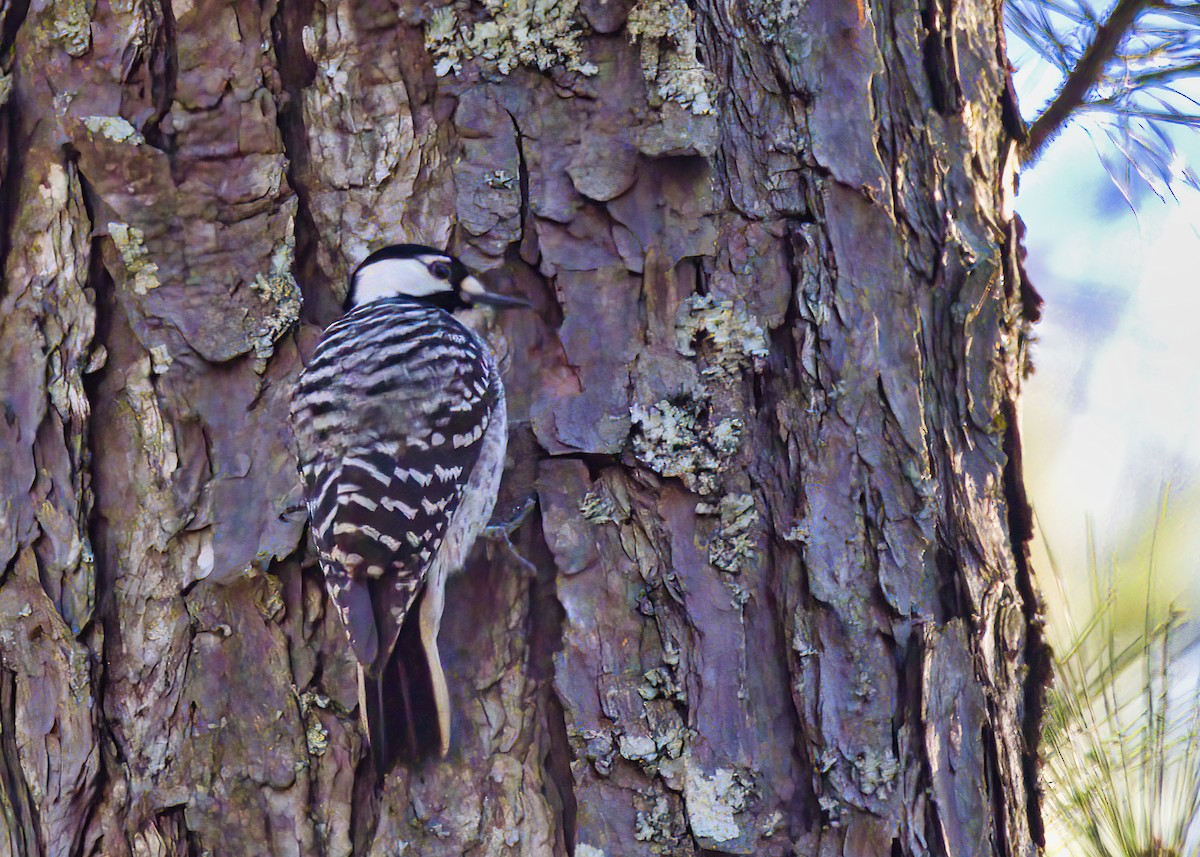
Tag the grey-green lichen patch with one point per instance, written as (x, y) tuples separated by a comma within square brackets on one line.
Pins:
[(661, 741), (269, 599), (143, 274), (662, 682), (653, 825), (599, 748), (713, 801), (739, 596), (537, 34), (5, 88), (833, 809), (667, 31), (585, 850), (79, 675), (500, 180), (797, 533), (279, 290), (682, 440), (771, 824), (115, 128), (316, 736), (875, 773), (160, 358), (71, 26), (599, 509), (774, 20), (638, 748), (737, 340), (661, 824), (734, 546)]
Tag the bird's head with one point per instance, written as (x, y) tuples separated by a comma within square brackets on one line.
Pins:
[(421, 273)]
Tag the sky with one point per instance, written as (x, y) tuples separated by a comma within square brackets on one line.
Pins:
[(1112, 411)]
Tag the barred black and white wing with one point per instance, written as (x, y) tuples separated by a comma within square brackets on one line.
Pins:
[(398, 415)]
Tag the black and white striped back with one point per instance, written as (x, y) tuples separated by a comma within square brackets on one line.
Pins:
[(389, 419)]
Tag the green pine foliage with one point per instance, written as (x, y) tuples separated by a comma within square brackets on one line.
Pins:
[(1121, 738)]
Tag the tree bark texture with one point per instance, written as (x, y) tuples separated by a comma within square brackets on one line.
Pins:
[(776, 598)]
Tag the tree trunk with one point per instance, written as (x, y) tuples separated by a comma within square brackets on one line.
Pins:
[(776, 598)]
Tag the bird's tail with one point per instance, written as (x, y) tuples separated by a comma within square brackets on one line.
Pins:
[(405, 706)]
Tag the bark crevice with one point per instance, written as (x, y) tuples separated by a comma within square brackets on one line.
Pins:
[(545, 630), (16, 804), (163, 70), (522, 182), (104, 301), (296, 71), (11, 158), (938, 52)]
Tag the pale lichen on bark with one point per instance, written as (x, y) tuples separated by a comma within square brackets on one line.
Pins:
[(666, 33), (713, 804), (130, 243), (68, 24), (279, 290), (680, 440), (116, 128), (734, 545), (540, 34), (737, 340)]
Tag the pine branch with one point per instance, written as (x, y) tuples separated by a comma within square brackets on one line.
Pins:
[(1083, 77)]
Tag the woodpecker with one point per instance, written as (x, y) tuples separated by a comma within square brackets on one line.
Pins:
[(400, 430)]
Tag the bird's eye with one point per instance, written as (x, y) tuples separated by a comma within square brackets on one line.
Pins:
[(440, 270)]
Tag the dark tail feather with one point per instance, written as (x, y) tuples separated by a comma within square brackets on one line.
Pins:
[(400, 704)]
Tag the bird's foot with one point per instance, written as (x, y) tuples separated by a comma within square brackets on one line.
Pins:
[(287, 513), (502, 531)]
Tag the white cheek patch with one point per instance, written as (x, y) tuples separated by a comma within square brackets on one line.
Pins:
[(389, 278)]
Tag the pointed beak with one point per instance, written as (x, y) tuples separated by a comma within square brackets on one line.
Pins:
[(474, 292)]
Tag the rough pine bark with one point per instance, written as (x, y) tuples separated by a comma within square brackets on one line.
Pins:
[(775, 597)]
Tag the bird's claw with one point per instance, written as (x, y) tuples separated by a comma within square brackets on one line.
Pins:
[(497, 530), (286, 514), (501, 531)]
